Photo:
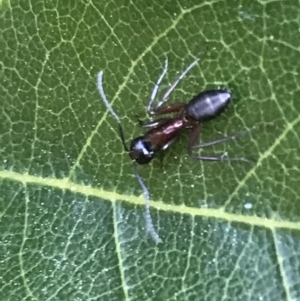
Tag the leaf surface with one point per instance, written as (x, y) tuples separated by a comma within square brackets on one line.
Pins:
[(71, 211)]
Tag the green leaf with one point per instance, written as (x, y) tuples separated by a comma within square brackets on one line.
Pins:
[(71, 211)]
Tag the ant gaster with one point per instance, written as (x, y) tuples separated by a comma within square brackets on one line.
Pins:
[(163, 132)]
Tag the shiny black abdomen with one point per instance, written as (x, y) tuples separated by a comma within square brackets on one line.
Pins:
[(208, 104)]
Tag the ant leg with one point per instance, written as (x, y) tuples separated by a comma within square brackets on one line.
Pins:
[(176, 82), (194, 136), (172, 108), (169, 143), (151, 124), (161, 160), (193, 139), (162, 153), (156, 87), (139, 120), (154, 123), (220, 158), (222, 139)]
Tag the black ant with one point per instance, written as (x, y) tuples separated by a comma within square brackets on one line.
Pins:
[(163, 132)]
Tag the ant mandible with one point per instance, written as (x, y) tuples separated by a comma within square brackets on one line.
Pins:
[(163, 132)]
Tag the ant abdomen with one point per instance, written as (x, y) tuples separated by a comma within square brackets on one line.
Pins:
[(208, 104)]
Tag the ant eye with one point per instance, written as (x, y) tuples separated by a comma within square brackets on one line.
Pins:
[(141, 150)]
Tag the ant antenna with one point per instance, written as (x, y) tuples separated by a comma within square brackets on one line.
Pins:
[(149, 224), (101, 91), (156, 87)]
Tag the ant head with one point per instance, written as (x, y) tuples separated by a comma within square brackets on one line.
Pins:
[(140, 150)]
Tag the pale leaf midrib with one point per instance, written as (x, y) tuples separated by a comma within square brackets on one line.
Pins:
[(113, 196)]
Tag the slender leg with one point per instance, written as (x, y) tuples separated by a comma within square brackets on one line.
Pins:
[(139, 120), (169, 143), (222, 139), (170, 89), (172, 108), (220, 158), (156, 87), (154, 123), (194, 137), (151, 124), (162, 153), (176, 82), (161, 160)]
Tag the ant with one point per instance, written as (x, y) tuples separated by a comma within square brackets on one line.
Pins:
[(163, 132)]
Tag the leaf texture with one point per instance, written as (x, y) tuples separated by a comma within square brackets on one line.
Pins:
[(71, 211)]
